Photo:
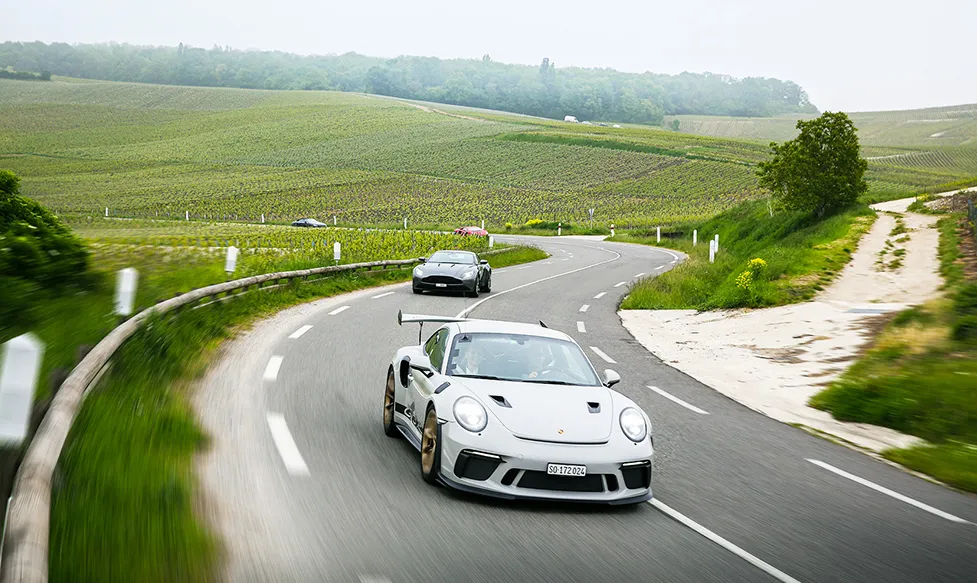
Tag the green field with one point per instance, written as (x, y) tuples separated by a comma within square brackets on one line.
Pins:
[(234, 154)]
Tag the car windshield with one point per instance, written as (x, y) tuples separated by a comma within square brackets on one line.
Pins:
[(521, 358), (459, 257)]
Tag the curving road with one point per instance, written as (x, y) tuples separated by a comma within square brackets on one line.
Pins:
[(304, 485)]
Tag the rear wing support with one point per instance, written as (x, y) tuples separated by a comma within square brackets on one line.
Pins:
[(421, 318)]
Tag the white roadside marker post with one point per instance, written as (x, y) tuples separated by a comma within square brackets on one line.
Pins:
[(695, 237), (717, 242), (20, 365), (491, 241), (336, 252), (106, 211), (334, 220), (658, 234), (405, 222), (559, 229), (230, 264), (262, 218), (188, 215), (612, 229), (712, 251), (125, 291), (483, 224)]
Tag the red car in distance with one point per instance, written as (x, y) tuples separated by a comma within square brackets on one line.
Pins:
[(477, 231)]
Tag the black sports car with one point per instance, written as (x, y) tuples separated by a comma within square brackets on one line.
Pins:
[(453, 271), (307, 223)]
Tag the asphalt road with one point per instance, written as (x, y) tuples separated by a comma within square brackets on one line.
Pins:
[(304, 485)]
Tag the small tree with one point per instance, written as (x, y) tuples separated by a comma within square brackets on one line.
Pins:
[(820, 170)]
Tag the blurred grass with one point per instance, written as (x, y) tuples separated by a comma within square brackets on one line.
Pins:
[(125, 503), (802, 254), (920, 376)]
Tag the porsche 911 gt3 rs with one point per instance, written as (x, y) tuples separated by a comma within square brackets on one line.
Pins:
[(516, 410)]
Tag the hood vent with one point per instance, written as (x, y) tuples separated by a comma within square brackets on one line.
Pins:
[(500, 401), (594, 407)]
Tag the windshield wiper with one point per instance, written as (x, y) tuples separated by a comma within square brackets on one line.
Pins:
[(549, 382), (481, 376)]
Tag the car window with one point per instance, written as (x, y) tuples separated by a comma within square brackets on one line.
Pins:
[(438, 343), (459, 257), (520, 357)]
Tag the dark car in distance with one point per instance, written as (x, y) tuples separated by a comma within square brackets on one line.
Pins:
[(307, 223), (453, 271)]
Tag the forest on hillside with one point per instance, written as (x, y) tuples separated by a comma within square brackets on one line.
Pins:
[(548, 91)]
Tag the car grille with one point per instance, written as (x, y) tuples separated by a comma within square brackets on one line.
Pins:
[(543, 481), (441, 279)]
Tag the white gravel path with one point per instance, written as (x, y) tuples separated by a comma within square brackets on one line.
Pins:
[(773, 360)]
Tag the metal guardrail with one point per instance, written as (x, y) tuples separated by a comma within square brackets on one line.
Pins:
[(29, 521)]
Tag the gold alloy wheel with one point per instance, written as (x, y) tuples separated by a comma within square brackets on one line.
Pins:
[(388, 402), (429, 442)]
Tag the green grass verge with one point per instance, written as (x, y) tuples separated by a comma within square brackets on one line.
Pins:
[(801, 253), (920, 376), (125, 503)]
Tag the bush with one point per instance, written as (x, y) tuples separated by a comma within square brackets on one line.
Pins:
[(34, 245), (965, 329), (965, 302)]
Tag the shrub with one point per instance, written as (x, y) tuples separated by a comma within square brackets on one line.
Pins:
[(965, 329), (508, 226)]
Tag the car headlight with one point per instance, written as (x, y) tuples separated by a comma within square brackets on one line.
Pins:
[(470, 414), (633, 424), (469, 274), (418, 270)]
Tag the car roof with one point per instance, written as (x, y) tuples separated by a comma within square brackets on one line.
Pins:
[(500, 327)]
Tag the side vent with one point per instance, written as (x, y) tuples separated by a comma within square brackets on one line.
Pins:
[(594, 407), (500, 401)]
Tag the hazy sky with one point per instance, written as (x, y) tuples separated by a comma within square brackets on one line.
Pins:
[(853, 55)]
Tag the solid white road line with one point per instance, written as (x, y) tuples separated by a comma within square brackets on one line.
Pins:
[(659, 267), (889, 492), (755, 561), (271, 371), (601, 354), (382, 296), (637, 275), (581, 327), (584, 307), (338, 310), (470, 308), (525, 267), (286, 445), (677, 400), (298, 333), (674, 255), (600, 295), (672, 262), (619, 284)]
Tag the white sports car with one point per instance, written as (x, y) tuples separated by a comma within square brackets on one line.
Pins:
[(516, 411)]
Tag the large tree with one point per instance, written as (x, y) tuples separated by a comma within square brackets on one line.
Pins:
[(820, 170)]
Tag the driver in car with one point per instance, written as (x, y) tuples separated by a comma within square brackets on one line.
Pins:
[(540, 361), (469, 362)]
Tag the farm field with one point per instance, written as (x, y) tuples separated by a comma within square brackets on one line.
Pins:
[(234, 155)]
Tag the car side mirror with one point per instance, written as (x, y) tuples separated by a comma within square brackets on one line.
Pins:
[(423, 259), (422, 364), (484, 261), (611, 378)]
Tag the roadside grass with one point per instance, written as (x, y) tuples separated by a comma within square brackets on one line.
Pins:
[(920, 376), (125, 502), (802, 256)]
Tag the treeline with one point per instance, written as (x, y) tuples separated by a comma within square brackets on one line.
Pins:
[(588, 94), (10, 73)]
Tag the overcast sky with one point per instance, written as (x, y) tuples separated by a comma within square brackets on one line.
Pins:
[(852, 55)]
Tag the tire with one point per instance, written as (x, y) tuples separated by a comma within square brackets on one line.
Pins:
[(431, 452), (390, 405), (415, 290), (487, 287), (473, 293)]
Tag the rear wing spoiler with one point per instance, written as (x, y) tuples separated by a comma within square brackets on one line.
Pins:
[(421, 318)]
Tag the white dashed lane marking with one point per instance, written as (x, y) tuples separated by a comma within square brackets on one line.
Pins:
[(659, 267), (298, 333), (584, 307), (286, 445), (601, 354), (888, 492), (271, 371), (600, 295), (619, 284), (637, 275), (581, 327), (382, 296), (756, 562), (338, 310), (675, 399)]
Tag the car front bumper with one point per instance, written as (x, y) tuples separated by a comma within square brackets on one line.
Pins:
[(456, 285), (618, 472)]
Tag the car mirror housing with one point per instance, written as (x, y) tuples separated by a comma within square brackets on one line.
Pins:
[(611, 378), (422, 259), (484, 261), (422, 364)]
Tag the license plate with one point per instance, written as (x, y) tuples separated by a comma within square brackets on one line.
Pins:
[(565, 470), (440, 285)]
